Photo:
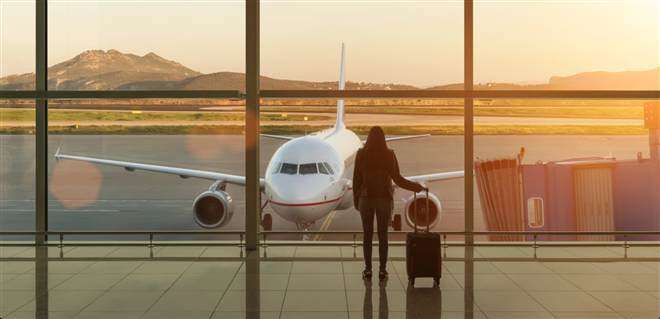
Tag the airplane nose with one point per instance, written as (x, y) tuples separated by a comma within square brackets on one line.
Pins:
[(296, 192)]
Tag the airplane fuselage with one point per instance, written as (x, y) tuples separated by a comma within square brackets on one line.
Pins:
[(309, 177)]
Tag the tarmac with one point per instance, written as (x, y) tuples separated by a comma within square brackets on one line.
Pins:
[(114, 199)]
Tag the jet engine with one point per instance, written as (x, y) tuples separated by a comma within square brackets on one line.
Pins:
[(434, 212), (213, 209)]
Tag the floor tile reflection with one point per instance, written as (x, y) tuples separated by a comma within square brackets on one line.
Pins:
[(326, 282)]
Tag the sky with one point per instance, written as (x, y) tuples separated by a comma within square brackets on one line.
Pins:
[(418, 43)]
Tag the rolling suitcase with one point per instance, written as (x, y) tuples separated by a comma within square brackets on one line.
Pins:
[(423, 258)]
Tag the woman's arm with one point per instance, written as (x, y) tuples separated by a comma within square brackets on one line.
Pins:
[(357, 178), (400, 180)]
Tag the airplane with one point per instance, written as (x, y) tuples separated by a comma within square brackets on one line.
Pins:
[(307, 178)]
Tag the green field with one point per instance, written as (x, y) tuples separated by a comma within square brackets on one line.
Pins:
[(590, 112), (55, 116), (361, 130)]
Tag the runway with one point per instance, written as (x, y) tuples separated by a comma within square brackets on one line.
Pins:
[(151, 201), (369, 120)]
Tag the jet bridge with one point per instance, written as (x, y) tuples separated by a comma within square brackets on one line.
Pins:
[(581, 194)]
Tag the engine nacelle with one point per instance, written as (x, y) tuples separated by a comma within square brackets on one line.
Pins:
[(434, 213), (213, 209)]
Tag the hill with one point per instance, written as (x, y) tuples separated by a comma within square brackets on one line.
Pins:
[(628, 80), (113, 70), (101, 70)]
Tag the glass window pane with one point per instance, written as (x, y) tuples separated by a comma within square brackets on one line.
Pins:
[(329, 168), (291, 169), (89, 195), (146, 45), (388, 45), (567, 166), (566, 45), (275, 168), (322, 169), (433, 155), (17, 46), (17, 170), (308, 169)]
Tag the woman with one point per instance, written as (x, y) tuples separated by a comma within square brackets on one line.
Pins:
[(375, 168)]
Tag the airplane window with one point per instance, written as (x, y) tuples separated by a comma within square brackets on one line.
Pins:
[(291, 169), (275, 169), (322, 169), (329, 168), (308, 169)]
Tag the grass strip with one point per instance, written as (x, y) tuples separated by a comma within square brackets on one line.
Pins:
[(565, 112), (54, 116), (360, 130)]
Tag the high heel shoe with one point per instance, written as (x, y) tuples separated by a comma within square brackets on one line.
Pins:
[(383, 274)]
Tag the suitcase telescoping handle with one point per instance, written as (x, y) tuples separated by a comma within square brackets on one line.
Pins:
[(428, 209)]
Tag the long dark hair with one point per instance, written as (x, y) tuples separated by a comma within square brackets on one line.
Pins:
[(375, 154)]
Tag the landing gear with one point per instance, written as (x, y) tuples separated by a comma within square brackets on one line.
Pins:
[(305, 227), (396, 223), (267, 222)]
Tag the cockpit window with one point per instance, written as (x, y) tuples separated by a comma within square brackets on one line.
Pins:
[(275, 169), (291, 169), (322, 169), (329, 168), (308, 169)]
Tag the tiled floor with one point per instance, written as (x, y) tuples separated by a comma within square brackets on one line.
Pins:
[(325, 282)]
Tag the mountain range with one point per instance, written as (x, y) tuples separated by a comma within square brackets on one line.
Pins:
[(113, 70)]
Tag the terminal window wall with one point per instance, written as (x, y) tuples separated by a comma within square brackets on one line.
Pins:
[(388, 46)]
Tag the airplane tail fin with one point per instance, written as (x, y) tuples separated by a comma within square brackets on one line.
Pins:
[(340, 104)]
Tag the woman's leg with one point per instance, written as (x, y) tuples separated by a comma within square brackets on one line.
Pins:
[(367, 215), (383, 215)]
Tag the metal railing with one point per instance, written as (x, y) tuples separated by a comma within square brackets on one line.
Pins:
[(354, 234)]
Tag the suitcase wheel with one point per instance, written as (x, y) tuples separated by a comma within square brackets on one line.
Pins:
[(436, 281), (411, 280)]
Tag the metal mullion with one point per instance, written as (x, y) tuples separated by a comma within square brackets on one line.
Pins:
[(468, 112), (41, 131), (252, 73)]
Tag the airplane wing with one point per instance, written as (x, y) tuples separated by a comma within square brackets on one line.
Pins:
[(392, 139), (182, 172), (278, 137), (428, 178)]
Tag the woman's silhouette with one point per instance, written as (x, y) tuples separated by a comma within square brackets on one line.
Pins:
[(375, 168)]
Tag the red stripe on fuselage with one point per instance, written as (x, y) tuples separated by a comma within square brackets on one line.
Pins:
[(306, 204)]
